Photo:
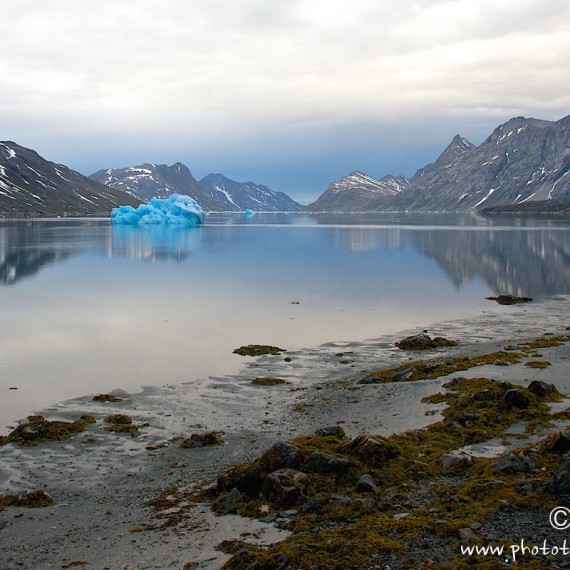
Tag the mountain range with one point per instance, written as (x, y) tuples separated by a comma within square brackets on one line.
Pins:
[(355, 192), (32, 186), (523, 166), (523, 160), (214, 193)]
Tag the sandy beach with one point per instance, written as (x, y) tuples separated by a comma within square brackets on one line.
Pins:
[(100, 481)]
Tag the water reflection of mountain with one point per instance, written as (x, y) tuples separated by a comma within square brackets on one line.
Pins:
[(511, 260), (21, 254), (17, 265), (532, 262), (28, 246), (359, 240)]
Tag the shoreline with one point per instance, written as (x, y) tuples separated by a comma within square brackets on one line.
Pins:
[(101, 481)]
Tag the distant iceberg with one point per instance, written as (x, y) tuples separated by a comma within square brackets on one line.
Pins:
[(249, 213), (176, 209)]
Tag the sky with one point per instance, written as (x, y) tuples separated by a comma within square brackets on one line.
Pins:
[(292, 94)]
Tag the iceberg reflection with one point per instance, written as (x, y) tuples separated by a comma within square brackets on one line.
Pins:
[(153, 242)]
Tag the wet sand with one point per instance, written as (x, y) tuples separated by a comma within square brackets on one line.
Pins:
[(101, 481)]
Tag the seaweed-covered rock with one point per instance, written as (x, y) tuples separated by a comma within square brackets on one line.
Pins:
[(257, 350), (229, 503), (37, 429), (373, 449), (509, 463), (335, 431), (264, 381), (206, 439), (31, 499), (246, 477), (543, 390), (285, 487), (423, 341), (556, 442), (106, 398), (468, 419), (121, 423), (515, 398), (119, 419), (249, 477), (509, 299), (320, 462), (279, 456)]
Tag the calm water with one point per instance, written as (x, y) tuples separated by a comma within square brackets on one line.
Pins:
[(87, 308)]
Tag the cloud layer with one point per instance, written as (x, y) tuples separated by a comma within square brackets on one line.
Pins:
[(274, 83)]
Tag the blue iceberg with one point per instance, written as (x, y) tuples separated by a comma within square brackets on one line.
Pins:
[(249, 213), (176, 209)]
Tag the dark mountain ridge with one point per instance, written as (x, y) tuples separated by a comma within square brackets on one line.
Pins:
[(148, 181), (230, 195), (33, 186), (357, 191), (214, 193), (521, 161)]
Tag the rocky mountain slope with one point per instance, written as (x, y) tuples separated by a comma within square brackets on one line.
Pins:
[(215, 192), (237, 196), (155, 180), (523, 160), (33, 186), (556, 206), (356, 191)]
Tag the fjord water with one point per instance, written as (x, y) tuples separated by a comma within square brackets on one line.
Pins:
[(88, 307)]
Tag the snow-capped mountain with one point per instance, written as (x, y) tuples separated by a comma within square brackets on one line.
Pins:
[(238, 196), (214, 193), (33, 186), (155, 180), (522, 160), (357, 191)]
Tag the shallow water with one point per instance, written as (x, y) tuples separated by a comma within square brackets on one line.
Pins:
[(88, 308)]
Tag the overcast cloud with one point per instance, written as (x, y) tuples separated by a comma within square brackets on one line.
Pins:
[(292, 94)]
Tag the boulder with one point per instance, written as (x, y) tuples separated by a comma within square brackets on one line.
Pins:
[(284, 487), (373, 449), (484, 395), (314, 504), (509, 463), (247, 478), (279, 456), (367, 485), (229, 503), (36, 498), (542, 389), (456, 459), (319, 462), (515, 398), (403, 375), (556, 442), (423, 341)]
